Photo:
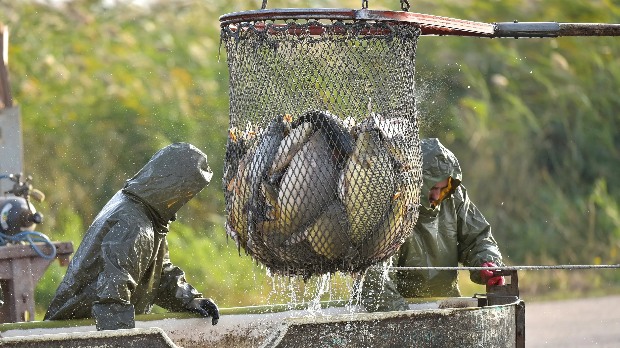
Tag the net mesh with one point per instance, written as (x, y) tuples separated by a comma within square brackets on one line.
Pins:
[(323, 166)]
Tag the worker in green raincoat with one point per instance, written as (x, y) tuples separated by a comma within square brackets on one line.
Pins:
[(450, 230), (122, 266)]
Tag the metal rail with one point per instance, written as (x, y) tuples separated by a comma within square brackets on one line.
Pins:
[(502, 268), (553, 29), (429, 24)]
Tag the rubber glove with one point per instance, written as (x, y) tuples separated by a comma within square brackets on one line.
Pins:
[(487, 275), (205, 307)]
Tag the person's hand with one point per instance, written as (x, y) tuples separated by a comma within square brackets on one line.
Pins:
[(205, 307), (487, 275)]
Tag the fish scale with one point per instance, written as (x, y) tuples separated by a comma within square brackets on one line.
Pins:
[(368, 184)]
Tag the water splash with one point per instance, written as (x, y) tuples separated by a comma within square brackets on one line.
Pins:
[(355, 298), (323, 286), (385, 269)]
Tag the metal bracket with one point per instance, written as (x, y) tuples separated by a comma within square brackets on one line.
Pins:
[(504, 294), (507, 294)]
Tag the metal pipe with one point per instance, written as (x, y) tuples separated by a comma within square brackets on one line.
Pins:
[(589, 29), (554, 29), (526, 29)]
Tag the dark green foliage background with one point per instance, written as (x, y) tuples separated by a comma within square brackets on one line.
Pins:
[(534, 122)]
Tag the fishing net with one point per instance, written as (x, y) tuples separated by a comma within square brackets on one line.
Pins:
[(323, 166)]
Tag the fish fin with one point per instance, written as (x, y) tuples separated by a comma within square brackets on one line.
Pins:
[(232, 134), (396, 195)]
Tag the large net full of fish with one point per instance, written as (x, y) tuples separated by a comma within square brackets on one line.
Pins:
[(323, 165)]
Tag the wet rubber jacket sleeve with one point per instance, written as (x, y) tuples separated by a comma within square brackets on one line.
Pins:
[(476, 244), (174, 291), (126, 253)]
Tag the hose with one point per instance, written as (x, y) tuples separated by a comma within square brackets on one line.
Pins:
[(30, 237)]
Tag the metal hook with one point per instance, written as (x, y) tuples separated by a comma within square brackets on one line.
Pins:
[(364, 4)]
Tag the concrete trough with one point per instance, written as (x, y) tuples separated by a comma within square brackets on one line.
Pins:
[(424, 325), (135, 338)]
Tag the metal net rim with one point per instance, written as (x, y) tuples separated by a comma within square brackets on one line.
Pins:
[(430, 24)]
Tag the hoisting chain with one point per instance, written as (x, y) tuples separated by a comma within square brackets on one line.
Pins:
[(264, 5), (364, 4), (404, 5), (501, 268)]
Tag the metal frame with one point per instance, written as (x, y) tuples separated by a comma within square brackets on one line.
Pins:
[(429, 24)]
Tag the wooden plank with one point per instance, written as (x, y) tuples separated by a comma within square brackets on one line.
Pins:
[(21, 268), (14, 251), (21, 288)]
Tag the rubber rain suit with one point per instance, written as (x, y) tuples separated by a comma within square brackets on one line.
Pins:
[(452, 232), (122, 266)]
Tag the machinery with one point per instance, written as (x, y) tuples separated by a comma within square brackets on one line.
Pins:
[(18, 217)]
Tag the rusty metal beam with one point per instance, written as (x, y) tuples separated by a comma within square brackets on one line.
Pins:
[(451, 26), (589, 29), (553, 29)]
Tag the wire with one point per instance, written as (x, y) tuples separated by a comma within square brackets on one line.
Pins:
[(502, 268), (26, 236)]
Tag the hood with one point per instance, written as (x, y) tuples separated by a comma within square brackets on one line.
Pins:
[(170, 179), (439, 163)]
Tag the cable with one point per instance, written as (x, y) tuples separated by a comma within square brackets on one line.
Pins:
[(26, 237), (502, 268)]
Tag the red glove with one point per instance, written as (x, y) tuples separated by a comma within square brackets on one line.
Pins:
[(487, 275)]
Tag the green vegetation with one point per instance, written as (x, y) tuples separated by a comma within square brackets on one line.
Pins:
[(534, 123)]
